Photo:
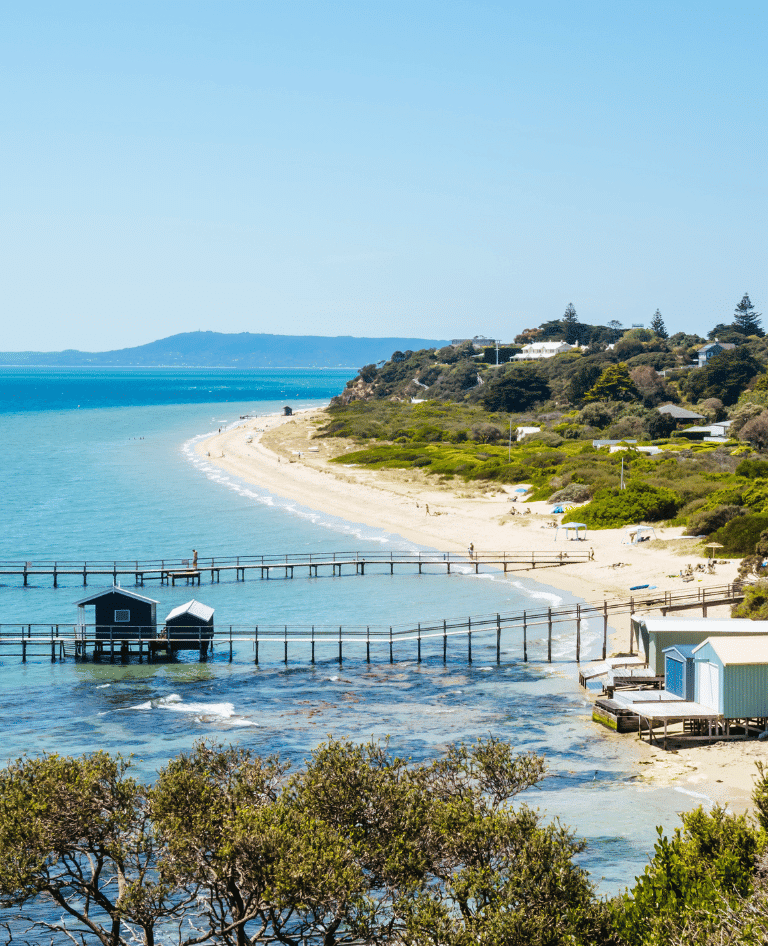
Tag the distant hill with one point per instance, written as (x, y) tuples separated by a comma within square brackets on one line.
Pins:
[(244, 350)]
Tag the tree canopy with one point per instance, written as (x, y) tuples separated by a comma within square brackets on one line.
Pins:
[(614, 384), (745, 319)]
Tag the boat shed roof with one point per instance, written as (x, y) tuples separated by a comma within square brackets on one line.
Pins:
[(709, 626), (738, 650), (194, 608), (684, 650), (115, 589)]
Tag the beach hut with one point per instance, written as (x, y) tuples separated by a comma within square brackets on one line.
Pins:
[(120, 615), (679, 671), (732, 676), (653, 635), (189, 627), (572, 530)]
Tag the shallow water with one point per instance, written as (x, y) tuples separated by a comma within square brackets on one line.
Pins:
[(104, 482)]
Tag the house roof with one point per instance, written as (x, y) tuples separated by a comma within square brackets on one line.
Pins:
[(193, 608), (738, 650), (726, 346), (115, 589), (680, 413)]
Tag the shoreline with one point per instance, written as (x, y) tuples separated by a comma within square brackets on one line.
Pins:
[(282, 455)]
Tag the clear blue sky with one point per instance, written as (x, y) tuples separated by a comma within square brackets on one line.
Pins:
[(421, 168)]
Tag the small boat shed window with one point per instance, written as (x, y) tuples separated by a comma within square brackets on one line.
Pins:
[(122, 616)]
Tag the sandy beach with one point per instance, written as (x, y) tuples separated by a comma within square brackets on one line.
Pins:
[(284, 456)]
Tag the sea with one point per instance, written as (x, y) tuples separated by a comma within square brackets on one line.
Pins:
[(99, 464)]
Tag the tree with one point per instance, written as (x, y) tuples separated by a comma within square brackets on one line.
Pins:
[(657, 325), (745, 319), (520, 387), (755, 431), (614, 384), (651, 386), (725, 376), (616, 329), (76, 833), (570, 324), (660, 426)]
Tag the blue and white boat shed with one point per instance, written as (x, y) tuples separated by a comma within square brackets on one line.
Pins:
[(679, 671), (732, 677), (653, 635)]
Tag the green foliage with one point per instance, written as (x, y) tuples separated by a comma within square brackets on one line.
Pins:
[(517, 388), (755, 603), (725, 376), (657, 325), (745, 319), (358, 847), (613, 508), (706, 521), (709, 862), (739, 536), (614, 384)]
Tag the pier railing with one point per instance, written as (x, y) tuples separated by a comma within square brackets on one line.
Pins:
[(173, 569), (534, 629)]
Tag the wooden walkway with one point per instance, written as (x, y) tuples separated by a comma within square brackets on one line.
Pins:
[(532, 630), (307, 564)]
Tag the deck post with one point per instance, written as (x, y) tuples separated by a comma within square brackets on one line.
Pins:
[(549, 635), (578, 633), (230, 643), (498, 638), (340, 645), (85, 574), (285, 631), (525, 636), (605, 628), (419, 643), (469, 640), (367, 645), (391, 658), (256, 645), (23, 648), (25, 573), (55, 577), (53, 647), (313, 643), (631, 636)]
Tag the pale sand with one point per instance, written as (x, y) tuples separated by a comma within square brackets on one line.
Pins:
[(279, 460)]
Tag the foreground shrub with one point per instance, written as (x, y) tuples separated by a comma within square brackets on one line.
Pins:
[(613, 508), (572, 493), (755, 603)]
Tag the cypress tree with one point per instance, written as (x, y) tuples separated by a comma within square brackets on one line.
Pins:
[(658, 326), (745, 319), (570, 324)]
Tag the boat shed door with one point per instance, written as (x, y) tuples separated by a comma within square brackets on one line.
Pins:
[(709, 684), (674, 676)]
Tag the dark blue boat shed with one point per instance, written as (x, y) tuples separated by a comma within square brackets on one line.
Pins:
[(120, 615), (680, 671)]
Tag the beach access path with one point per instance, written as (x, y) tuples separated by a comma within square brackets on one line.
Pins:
[(284, 456)]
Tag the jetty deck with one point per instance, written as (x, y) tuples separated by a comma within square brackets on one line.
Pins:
[(290, 565), (534, 631)]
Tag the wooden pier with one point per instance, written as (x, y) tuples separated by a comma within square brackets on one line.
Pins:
[(533, 631), (306, 564)]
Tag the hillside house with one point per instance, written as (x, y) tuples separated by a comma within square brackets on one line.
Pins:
[(538, 350), (709, 351)]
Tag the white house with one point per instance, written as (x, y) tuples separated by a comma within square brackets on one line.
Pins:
[(538, 350)]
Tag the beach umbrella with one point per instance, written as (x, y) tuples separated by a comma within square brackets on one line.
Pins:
[(712, 546)]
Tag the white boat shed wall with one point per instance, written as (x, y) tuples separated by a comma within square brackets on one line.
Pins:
[(653, 634), (737, 690)]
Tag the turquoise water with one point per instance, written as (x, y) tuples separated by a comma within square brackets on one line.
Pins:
[(100, 465)]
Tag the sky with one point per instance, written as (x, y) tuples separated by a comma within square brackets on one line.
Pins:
[(377, 167)]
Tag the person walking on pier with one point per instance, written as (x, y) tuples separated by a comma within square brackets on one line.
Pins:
[(194, 559), (471, 550)]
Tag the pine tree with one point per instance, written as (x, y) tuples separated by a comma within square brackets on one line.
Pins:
[(614, 384), (745, 319), (570, 324), (658, 326)]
